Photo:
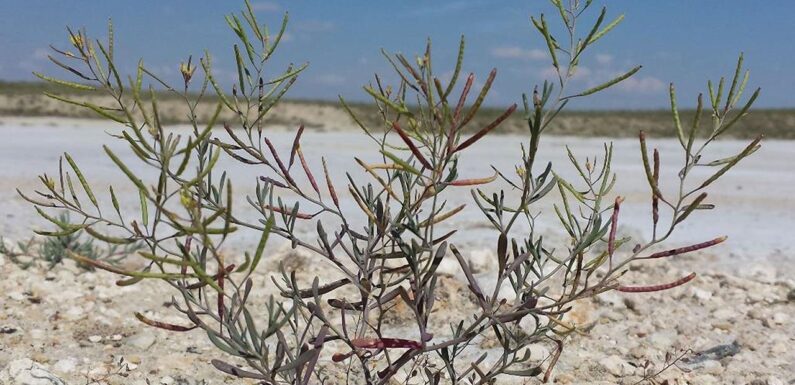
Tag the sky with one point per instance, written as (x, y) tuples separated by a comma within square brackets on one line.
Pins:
[(679, 41)]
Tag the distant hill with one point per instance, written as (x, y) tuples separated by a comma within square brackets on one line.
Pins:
[(27, 99)]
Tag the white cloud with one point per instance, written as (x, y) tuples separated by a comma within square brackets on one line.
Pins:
[(641, 85), (41, 53), (604, 58), (265, 6), (519, 53), (580, 73)]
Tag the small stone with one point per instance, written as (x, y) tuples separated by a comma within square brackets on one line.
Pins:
[(95, 339), (133, 359), (167, 380), (538, 352), (779, 348), (724, 313), (143, 340), (26, 372), (662, 339), (723, 325), (779, 318), (617, 366), (116, 337), (701, 294), (66, 365), (773, 380), (705, 379), (711, 367)]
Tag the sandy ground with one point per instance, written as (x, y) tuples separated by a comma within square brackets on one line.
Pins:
[(77, 325)]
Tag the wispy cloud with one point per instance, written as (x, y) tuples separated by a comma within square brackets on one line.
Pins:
[(641, 85), (604, 59), (582, 73), (41, 53), (512, 52)]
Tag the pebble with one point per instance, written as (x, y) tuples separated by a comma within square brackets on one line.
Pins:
[(95, 339), (538, 352), (116, 337), (167, 380), (662, 339), (701, 294), (66, 365), (779, 318), (143, 340), (773, 380), (26, 372), (617, 366)]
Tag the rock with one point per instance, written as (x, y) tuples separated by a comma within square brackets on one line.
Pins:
[(26, 372), (700, 294), (65, 366), (482, 260), (708, 361), (773, 380), (167, 380), (134, 359), (142, 340), (705, 379), (779, 318), (95, 339), (617, 366), (538, 352), (663, 339)]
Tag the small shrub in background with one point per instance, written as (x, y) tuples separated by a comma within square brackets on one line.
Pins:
[(57, 244), (335, 330)]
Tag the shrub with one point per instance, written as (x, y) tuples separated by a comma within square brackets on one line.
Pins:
[(391, 260), (58, 244)]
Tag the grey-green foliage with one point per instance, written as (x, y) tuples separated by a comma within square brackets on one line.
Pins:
[(335, 330), (53, 248)]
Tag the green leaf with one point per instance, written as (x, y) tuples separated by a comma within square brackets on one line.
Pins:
[(262, 242), (82, 180), (675, 112), (144, 207), (66, 83), (400, 162), (123, 167), (607, 84), (607, 28), (735, 83)]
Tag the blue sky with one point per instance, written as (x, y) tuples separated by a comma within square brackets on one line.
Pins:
[(685, 42)]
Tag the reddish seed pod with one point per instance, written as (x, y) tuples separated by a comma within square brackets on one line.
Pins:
[(412, 146), (686, 249), (385, 343), (163, 325), (649, 289)]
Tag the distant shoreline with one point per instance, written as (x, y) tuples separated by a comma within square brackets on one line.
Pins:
[(23, 101)]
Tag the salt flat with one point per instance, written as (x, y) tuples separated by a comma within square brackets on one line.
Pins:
[(755, 201), (77, 324)]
